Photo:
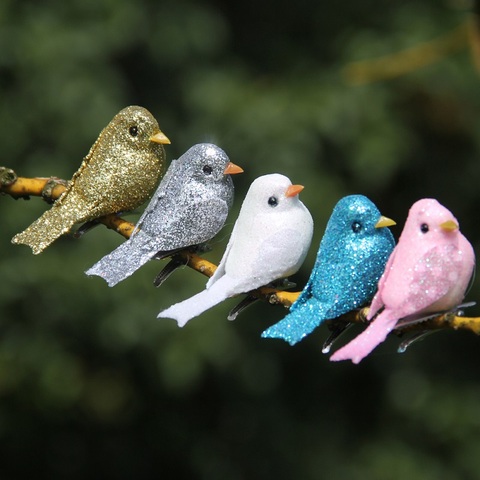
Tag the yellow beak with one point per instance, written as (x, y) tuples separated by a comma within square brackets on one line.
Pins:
[(160, 138), (385, 222), (449, 226)]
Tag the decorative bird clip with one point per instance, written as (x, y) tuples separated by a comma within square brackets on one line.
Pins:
[(118, 174)]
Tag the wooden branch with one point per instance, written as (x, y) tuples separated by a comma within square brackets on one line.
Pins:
[(51, 188), (409, 60)]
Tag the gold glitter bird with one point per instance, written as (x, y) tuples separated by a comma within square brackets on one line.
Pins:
[(119, 173)]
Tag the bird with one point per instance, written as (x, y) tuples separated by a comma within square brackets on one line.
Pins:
[(351, 258), (190, 207), (118, 174), (429, 271), (269, 241)]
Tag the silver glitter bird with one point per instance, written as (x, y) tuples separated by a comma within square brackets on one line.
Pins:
[(189, 207)]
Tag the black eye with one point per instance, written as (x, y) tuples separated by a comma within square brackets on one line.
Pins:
[(272, 201), (133, 130), (356, 227), (207, 170), (424, 228)]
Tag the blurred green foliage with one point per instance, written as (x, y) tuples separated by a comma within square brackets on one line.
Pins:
[(91, 384)]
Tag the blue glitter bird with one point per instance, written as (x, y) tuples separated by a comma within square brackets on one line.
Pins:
[(351, 259)]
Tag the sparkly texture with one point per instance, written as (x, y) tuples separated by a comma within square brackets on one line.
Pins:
[(118, 174), (429, 271), (350, 260), (189, 207), (267, 242)]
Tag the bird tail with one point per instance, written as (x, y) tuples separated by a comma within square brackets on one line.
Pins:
[(46, 229), (126, 259), (364, 343), (192, 307), (300, 322)]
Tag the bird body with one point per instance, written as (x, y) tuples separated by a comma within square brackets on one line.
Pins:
[(119, 173), (429, 271), (350, 260), (270, 240), (189, 207)]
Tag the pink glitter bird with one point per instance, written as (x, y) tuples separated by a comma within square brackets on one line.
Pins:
[(429, 271)]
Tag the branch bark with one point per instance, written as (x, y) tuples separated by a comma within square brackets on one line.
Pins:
[(51, 188)]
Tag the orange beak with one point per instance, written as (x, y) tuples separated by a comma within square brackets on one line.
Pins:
[(293, 190), (232, 169)]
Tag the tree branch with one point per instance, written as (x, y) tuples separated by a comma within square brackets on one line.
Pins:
[(51, 188), (411, 59)]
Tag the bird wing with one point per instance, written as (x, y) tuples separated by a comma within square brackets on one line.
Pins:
[(434, 278), (180, 217), (341, 286), (161, 201), (276, 258), (193, 224), (220, 271), (271, 260)]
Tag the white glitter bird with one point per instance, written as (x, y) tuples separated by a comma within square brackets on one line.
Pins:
[(270, 240), (189, 207)]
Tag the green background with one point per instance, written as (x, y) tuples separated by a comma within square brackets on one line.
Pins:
[(91, 384)]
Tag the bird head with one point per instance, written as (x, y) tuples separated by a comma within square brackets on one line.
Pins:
[(135, 126), (209, 164), (428, 219), (355, 217), (272, 193)]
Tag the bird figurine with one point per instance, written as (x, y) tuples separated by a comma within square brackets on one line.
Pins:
[(429, 271), (269, 241), (118, 174), (350, 260), (189, 207)]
